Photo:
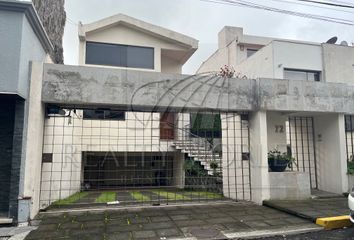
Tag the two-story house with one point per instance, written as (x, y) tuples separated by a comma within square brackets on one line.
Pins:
[(306, 135)]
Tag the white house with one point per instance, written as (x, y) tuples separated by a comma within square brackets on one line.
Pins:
[(126, 126), (311, 137)]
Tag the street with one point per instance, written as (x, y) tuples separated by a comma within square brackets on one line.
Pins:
[(341, 234)]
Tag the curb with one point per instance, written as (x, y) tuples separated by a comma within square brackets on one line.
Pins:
[(334, 222), (328, 223), (294, 213)]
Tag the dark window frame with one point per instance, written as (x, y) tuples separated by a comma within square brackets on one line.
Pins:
[(305, 71), (251, 51), (95, 115), (124, 57)]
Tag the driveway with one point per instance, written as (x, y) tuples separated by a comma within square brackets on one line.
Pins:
[(207, 221)]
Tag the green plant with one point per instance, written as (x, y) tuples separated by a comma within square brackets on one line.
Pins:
[(277, 159), (71, 199), (106, 197), (350, 167)]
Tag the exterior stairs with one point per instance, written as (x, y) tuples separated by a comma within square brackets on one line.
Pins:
[(199, 151)]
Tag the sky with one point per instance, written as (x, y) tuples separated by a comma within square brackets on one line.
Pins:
[(203, 21)]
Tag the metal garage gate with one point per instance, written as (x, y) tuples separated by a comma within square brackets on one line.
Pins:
[(105, 156)]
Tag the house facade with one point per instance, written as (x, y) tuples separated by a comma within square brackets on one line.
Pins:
[(126, 127), (305, 131)]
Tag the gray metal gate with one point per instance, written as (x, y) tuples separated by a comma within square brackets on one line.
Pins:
[(105, 156), (302, 146)]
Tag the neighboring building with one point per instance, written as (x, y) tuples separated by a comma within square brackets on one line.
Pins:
[(302, 133), (22, 41), (141, 45), (262, 57)]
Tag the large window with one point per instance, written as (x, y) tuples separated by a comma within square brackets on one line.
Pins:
[(303, 75), (119, 55), (104, 115)]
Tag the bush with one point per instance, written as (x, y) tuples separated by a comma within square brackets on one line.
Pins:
[(351, 168)]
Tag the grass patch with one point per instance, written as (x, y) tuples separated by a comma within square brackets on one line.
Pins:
[(204, 194), (71, 199), (170, 195), (139, 196), (351, 168), (106, 197)]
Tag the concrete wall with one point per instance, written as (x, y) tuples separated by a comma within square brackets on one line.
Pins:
[(169, 65), (258, 65), (121, 34), (260, 186), (289, 185), (295, 56), (31, 50), (277, 137), (338, 63), (34, 138), (11, 24), (330, 153), (89, 86)]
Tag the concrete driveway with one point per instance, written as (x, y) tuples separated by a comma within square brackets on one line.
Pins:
[(202, 221)]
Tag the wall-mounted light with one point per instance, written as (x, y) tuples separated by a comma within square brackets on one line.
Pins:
[(280, 65)]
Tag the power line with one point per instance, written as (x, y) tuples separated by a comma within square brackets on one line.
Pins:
[(248, 4), (315, 6), (328, 3)]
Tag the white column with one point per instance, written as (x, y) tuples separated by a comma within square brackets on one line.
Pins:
[(259, 158), (331, 153)]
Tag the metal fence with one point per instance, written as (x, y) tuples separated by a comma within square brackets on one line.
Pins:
[(110, 157)]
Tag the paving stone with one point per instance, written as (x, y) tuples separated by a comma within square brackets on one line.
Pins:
[(159, 225), (180, 217), (160, 219), (256, 224), (251, 217), (120, 228), (119, 236), (186, 223), (221, 220), (169, 232), (143, 234), (236, 226)]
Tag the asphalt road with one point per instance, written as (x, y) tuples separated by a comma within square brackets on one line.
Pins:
[(342, 234)]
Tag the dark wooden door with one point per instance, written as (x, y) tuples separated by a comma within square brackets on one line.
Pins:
[(167, 126)]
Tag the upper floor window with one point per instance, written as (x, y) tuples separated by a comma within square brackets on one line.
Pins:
[(104, 115), (119, 55), (250, 51), (303, 75)]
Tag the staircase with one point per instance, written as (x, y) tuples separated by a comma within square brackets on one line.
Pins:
[(199, 150)]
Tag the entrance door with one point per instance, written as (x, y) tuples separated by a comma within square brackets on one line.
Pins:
[(167, 126)]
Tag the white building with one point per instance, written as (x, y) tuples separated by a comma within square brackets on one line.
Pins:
[(312, 137)]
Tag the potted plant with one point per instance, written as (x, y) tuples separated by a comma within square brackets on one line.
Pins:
[(278, 161)]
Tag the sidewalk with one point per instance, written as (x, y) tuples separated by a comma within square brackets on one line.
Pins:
[(15, 233), (312, 208), (208, 221)]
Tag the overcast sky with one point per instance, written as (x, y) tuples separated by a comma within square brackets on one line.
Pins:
[(203, 21)]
